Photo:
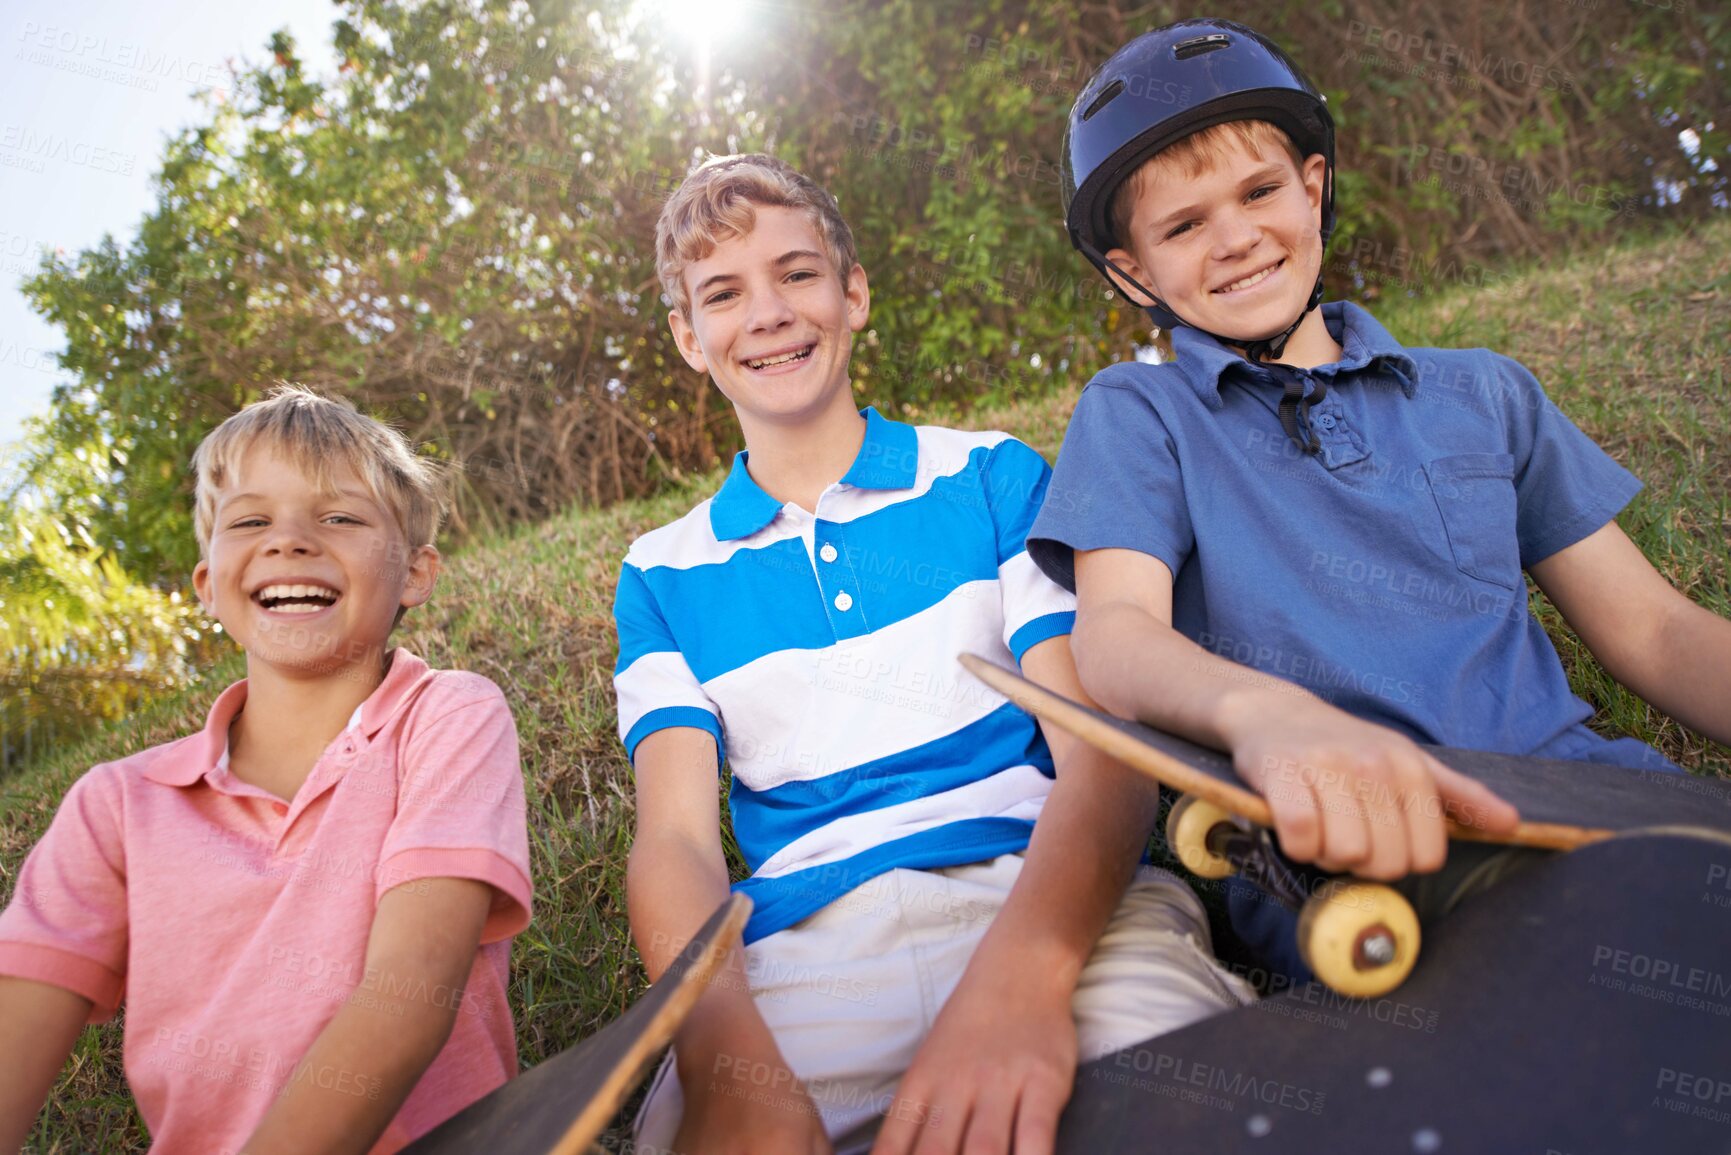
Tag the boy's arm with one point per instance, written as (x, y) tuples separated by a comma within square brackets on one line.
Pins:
[(454, 868), (1004, 1075), (675, 878), (39, 1023), (1664, 647), (356, 1075), (1346, 794)]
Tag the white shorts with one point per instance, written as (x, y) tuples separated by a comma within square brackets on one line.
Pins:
[(852, 991)]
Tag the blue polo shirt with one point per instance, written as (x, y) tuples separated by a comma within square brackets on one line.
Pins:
[(819, 649), (1383, 573)]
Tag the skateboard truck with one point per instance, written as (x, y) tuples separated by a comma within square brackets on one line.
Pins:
[(1375, 948), (1255, 857), (1360, 938)]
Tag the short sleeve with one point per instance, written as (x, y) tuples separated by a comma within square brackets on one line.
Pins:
[(1566, 487), (67, 922), (1035, 607), (1116, 486), (460, 804), (654, 683)]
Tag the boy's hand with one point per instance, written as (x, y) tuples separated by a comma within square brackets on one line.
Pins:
[(765, 1112), (1352, 796), (993, 1075)]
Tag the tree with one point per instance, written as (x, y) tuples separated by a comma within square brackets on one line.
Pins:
[(455, 230)]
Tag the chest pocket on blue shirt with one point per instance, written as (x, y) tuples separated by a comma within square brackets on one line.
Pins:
[(1475, 495)]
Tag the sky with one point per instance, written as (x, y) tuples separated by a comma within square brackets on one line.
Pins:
[(90, 90)]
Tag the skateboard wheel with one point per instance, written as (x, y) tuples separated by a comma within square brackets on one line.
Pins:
[(1360, 938), (1187, 827)]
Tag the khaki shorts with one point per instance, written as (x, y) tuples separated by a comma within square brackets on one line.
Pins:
[(852, 991)]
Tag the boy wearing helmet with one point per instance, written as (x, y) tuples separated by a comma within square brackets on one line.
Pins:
[(1297, 493)]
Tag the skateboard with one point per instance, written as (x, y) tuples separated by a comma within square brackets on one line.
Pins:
[(562, 1105), (1581, 1006), (1362, 938)]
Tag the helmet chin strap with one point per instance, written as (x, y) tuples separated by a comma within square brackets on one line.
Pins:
[(1270, 348), (1265, 350), (1294, 404)]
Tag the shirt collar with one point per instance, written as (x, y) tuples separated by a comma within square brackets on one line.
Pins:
[(888, 458), (201, 753), (354, 723), (1363, 342)]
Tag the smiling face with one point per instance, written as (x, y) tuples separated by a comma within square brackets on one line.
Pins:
[(770, 321), (1234, 250), (307, 582)]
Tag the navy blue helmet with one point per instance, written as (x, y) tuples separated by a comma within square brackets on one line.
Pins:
[(1164, 86)]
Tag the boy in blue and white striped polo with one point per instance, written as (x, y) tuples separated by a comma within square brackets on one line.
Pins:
[(925, 960)]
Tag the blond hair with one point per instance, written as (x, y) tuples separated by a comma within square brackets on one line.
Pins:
[(318, 433), (715, 202), (1191, 156)]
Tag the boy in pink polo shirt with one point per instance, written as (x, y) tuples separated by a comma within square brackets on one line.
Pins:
[(306, 908)]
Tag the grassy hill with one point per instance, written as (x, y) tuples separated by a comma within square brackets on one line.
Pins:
[(1632, 341)]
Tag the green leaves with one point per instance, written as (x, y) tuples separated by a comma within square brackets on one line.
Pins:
[(80, 640), (456, 229)]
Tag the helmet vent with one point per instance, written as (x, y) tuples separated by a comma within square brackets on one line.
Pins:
[(1105, 98), (1196, 46)]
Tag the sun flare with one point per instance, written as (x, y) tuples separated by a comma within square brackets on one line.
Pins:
[(705, 21)]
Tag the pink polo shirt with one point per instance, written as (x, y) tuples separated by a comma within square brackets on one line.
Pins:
[(234, 925)]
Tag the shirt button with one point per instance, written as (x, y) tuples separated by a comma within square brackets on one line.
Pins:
[(1327, 421), (827, 553), (843, 602)]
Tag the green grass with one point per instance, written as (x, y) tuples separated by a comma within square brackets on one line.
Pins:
[(1631, 341)]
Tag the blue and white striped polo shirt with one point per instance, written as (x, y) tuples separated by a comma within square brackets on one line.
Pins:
[(821, 653)]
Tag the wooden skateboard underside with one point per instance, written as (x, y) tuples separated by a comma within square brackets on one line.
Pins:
[(561, 1106), (1562, 804), (1581, 1006)]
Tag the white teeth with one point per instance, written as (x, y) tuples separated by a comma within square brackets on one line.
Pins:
[(1248, 281), (781, 360), (279, 592)]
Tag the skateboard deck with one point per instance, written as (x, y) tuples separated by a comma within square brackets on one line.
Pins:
[(1562, 804), (1581, 1006), (561, 1106)]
